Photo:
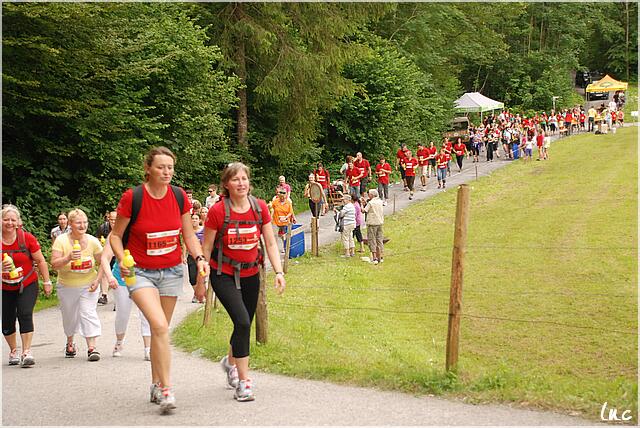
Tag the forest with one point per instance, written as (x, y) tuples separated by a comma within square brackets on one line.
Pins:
[(89, 87)]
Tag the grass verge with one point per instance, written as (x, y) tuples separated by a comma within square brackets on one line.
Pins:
[(550, 293)]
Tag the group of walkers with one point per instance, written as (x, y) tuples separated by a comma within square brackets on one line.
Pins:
[(138, 253), (151, 220)]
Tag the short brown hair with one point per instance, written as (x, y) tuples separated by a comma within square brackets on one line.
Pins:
[(152, 153), (229, 172)]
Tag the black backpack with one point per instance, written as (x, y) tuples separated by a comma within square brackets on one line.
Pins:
[(136, 205), (217, 252)]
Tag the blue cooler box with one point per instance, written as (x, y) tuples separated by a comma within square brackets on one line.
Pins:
[(297, 243)]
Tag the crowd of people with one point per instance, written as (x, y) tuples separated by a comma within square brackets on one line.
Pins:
[(142, 248)]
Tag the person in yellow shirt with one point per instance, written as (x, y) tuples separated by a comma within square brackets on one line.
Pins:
[(281, 210), (592, 118), (78, 282)]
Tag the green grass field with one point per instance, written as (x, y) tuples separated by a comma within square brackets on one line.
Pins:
[(550, 293)]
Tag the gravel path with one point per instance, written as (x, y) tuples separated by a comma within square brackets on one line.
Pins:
[(114, 391)]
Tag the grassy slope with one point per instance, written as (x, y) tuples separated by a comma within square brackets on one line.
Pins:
[(549, 241)]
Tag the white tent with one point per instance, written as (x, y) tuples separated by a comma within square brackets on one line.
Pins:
[(475, 102)]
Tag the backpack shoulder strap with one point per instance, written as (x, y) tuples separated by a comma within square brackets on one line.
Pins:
[(177, 192), (22, 244), (136, 205), (255, 207)]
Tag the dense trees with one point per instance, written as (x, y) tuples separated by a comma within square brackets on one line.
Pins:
[(87, 87)]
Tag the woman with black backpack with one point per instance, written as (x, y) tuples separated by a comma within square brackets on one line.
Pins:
[(233, 248), (151, 218)]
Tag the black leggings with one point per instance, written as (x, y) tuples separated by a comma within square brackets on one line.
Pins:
[(357, 233), (459, 160), (240, 305), (19, 306), (315, 208)]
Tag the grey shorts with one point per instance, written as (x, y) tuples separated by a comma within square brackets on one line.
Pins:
[(168, 281)]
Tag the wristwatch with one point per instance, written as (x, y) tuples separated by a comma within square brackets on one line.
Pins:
[(200, 257), (280, 273)]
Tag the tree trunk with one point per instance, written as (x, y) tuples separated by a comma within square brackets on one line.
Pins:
[(241, 72), (626, 6)]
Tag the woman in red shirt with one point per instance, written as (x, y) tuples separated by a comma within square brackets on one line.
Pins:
[(459, 149), (154, 243), (20, 288), (232, 230)]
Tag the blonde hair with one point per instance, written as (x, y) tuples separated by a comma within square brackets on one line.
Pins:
[(230, 171), (75, 213), (151, 154), (6, 208)]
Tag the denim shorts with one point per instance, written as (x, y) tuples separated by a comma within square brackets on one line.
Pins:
[(168, 281)]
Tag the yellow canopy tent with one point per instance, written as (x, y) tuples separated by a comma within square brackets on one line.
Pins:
[(607, 84)]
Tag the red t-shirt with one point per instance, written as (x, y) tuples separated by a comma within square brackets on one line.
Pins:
[(410, 166), (242, 244), (422, 156), (352, 174), (22, 261), (441, 160), (459, 149), (383, 179), (433, 151), (539, 140), (582, 117), (363, 166), (154, 239), (400, 154), (447, 147), (322, 177)]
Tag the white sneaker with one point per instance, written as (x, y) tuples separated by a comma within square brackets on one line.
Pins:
[(231, 371), (117, 350), (14, 358), (384, 203), (167, 400), (244, 391), (154, 393), (27, 359)]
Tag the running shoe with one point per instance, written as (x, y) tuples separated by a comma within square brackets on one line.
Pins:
[(154, 393), (70, 350), (167, 400), (14, 359), (117, 350), (231, 371), (384, 203), (147, 354), (93, 354), (244, 392), (27, 359)]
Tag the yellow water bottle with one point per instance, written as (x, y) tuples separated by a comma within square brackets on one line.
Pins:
[(76, 247), (13, 274), (129, 263)]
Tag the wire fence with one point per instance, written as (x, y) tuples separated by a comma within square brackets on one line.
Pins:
[(463, 315)]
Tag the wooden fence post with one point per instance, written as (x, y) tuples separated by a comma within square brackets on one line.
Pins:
[(207, 303), (285, 266), (314, 236), (262, 319), (457, 272)]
